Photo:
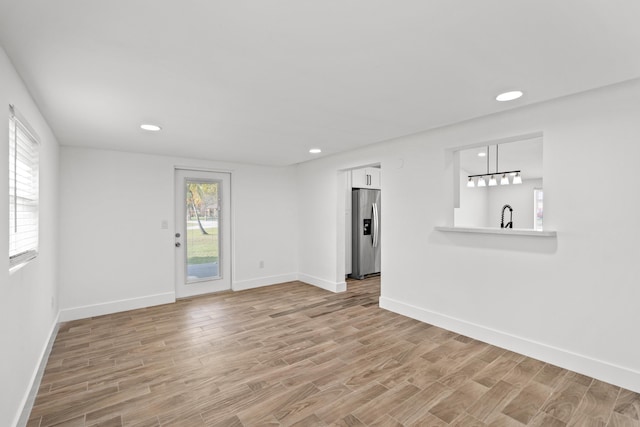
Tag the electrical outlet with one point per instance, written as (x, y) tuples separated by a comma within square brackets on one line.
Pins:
[(261, 264)]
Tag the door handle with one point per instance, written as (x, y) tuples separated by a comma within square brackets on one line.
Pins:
[(375, 225), (178, 244)]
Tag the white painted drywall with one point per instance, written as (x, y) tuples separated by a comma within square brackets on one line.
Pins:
[(265, 215), (474, 205), (28, 306), (114, 254), (570, 300)]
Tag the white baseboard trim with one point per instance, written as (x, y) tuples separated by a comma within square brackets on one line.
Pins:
[(86, 311), (599, 369), (243, 285), (30, 396), (322, 283)]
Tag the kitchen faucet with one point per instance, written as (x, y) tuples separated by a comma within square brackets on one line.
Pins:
[(510, 223)]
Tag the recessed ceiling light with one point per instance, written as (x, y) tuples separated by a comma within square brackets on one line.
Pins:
[(509, 96), (150, 127), (482, 154), (315, 151)]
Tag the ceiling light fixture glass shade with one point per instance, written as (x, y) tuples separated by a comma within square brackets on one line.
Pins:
[(509, 96), (315, 151), (504, 180), (492, 181), (482, 154), (470, 183), (482, 182), (517, 179)]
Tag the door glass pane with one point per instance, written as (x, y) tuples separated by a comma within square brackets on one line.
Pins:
[(203, 245)]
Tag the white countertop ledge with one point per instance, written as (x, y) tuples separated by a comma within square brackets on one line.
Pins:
[(500, 231)]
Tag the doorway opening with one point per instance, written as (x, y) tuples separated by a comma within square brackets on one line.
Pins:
[(362, 179)]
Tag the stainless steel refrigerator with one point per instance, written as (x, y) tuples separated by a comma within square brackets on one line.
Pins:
[(365, 217)]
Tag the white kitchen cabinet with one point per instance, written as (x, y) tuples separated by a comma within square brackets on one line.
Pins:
[(366, 178)]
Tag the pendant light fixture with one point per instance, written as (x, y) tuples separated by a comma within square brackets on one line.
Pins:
[(517, 179), (504, 180)]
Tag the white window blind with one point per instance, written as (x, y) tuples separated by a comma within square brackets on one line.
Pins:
[(23, 190)]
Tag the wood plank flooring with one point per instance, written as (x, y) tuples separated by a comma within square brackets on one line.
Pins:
[(296, 355)]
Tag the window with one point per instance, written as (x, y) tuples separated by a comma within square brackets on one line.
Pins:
[(23, 190), (482, 203)]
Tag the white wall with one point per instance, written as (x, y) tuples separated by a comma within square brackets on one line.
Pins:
[(115, 256), (474, 205), (570, 300), (28, 302)]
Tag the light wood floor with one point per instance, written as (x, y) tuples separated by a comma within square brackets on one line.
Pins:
[(293, 354)]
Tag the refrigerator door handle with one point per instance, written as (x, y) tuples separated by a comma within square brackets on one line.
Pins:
[(376, 225)]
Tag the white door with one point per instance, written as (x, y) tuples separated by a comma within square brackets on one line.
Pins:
[(202, 236)]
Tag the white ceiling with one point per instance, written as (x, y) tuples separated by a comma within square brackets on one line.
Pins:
[(263, 81)]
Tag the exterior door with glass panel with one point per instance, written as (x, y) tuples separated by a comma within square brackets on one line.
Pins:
[(202, 236)]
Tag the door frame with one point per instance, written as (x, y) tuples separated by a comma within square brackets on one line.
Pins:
[(231, 202)]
